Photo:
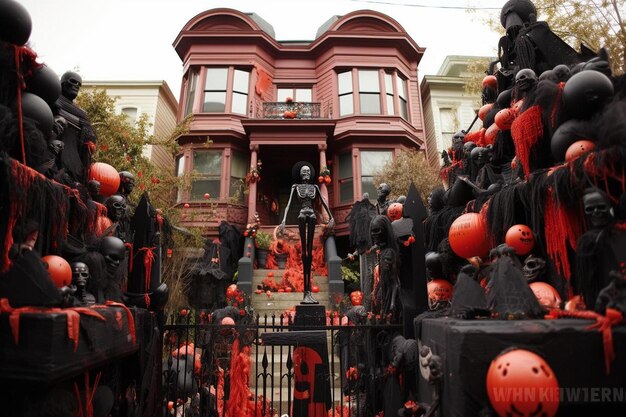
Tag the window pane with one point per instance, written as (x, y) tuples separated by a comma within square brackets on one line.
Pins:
[(345, 82), (388, 84), (240, 81), (207, 162), (200, 187), (191, 90), (237, 188), (373, 161), (238, 165), (446, 117), (367, 186), (303, 94), (346, 190), (216, 79), (370, 103), (240, 102), (368, 81), (390, 105), (346, 105), (345, 165), (131, 114), (403, 110), (214, 102), (283, 93), (401, 87), (180, 166)]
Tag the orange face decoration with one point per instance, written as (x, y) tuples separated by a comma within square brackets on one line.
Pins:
[(521, 383), (439, 293), (504, 119), (356, 298), (520, 238), (546, 294), (394, 212)]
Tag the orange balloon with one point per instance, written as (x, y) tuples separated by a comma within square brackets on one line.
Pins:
[(504, 119), (468, 236), (394, 211), (59, 269), (578, 148), (491, 133), (482, 112), (520, 237), (521, 382), (490, 81), (546, 294), (108, 177)]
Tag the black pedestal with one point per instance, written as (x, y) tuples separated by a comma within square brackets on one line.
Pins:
[(310, 315)]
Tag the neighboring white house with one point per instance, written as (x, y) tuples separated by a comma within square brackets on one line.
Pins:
[(447, 107), (154, 98)]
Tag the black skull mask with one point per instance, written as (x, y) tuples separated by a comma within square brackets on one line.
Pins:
[(80, 274), (114, 252), (562, 72), (468, 147), (56, 147), (533, 268), (597, 209), (127, 182), (116, 207), (525, 80)]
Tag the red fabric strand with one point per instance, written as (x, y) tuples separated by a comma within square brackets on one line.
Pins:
[(526, 130), (562, 226), (148, 259)]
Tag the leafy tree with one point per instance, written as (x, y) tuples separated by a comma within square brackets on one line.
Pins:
[(409, 166)]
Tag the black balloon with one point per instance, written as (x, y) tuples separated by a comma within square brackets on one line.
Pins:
[(38, 110), (15, 22), (568, 133), (45, 83), (585, 93)]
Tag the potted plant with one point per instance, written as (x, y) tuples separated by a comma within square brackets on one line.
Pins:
[(262, 242)]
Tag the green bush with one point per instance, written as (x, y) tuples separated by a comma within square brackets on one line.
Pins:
[(262, 240)]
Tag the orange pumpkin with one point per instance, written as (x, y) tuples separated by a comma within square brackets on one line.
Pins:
[(468, 236), (520, 237), (394, 212)]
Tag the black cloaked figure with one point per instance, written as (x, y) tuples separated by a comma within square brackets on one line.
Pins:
[(508, 293), (231, 239)]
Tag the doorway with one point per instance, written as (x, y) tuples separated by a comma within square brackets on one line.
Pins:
[(276, 180)]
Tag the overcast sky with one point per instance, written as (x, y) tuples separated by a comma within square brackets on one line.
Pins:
[(132, 39)]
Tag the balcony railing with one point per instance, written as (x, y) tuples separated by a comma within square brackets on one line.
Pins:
[(293, 110)]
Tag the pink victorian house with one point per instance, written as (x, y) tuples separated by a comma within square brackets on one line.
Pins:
[(348, 101)]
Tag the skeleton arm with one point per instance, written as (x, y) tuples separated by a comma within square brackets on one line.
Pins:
[(331, 221), (281, 227)]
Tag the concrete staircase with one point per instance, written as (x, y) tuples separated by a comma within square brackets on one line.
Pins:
[(277, 303)]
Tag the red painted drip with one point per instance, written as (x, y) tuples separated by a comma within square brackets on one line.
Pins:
[(148, 259), (526, 131)]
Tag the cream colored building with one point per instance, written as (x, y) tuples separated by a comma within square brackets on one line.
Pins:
[(447, 107), (154, 98)]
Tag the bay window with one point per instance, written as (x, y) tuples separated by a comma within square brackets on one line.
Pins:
[(346, 95), (369, 92), (402, 97), (222, 83), (192, 79)]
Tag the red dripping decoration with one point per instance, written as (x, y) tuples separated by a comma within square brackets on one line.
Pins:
[(526, 131)]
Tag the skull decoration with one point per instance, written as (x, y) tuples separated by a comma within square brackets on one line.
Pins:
[(533, 268), (56, 147), (116, 207), (468, 147), (80, 274), (356, 298), (598, 208), (93, 187), (305, 173), (525, 80), (70, 85), (457, 144), (383, 190), (127, 182), (114, 251), (562, 72), (379, 230)]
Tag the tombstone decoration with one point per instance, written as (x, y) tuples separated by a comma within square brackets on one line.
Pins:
[(307, 194)]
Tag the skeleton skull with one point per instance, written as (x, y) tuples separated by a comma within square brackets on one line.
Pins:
[(116, 207), (379, 231), (127, 182), (70, 84), (468, 147), (562, 72), (56, 147), (533, 268), (597, 209), (93, 187), (114, 251), (80, 274), (525, 80), (383, 190), (305, 173)]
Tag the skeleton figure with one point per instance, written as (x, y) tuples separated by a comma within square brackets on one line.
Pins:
[(525, 82), (383, 202), (534, 267), (80, 278), (127, 183), (306, 193)]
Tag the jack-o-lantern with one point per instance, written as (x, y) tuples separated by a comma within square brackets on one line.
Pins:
[(356, 298), (394, 211), (504, 119), (520, 238), (578, 148), (521, 383), (546, 294), (439, 292)]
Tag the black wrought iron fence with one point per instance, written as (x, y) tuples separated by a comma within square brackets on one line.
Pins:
[(292, 110), (217, 365)]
